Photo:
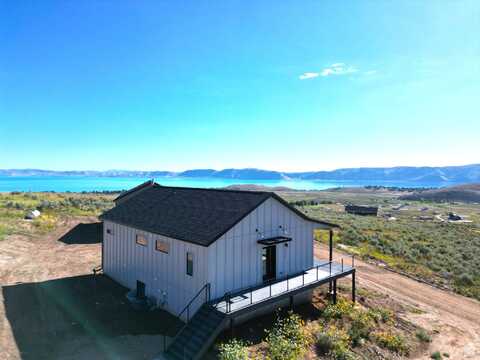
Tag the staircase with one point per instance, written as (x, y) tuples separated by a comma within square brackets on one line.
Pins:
[(197, 335)]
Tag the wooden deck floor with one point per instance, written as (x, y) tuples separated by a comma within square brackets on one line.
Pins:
[(318, 274)]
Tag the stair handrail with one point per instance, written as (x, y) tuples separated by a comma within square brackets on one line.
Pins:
[(205, 288), (187, 307)]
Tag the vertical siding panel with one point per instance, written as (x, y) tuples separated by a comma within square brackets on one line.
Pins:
[(244, 243), (126, 262), (294, 245), (258, 255), (236, 255), (233, 261), (229, 261), (252, 250)]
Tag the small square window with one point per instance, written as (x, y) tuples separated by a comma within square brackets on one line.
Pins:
[(189, 263), (162, 246), (141, 240), (110, 231)]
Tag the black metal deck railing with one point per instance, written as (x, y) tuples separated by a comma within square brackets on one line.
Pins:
[(242, 298)]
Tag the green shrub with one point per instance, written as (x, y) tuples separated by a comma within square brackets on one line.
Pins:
[(233, 350), (340, 309), (436, 355), (423, 336), (465, 280), (391, 342), (361, 327), (381, 315), (288, 339), (4, 231), (334, 342), (323, 343)]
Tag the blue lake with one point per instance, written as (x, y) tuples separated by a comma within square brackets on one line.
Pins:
[(81, 183)]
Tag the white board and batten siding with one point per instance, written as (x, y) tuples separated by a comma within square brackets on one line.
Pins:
[(232, 262), (164, 275), (235, 259)]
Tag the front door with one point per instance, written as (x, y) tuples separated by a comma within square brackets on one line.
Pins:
[(269, 263)]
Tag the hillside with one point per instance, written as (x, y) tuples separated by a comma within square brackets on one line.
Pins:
[(447, 174), (463, 193)]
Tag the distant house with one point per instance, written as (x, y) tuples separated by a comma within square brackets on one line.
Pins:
[(212, 254), (361, 210)]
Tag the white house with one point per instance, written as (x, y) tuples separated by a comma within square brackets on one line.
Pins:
[(169, 243)]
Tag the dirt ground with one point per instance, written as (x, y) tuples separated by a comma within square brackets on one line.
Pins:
[(455, 319), (52, 307)]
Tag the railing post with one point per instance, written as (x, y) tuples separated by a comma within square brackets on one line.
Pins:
[(330, 266), (270, 289), (353, 286), (251, 296), (353, 261), (303, 279), (342, 265)]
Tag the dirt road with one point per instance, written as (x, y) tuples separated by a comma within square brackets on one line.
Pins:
[(455, 318)]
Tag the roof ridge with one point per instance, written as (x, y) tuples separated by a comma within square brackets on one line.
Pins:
[(215, 189), (138, 187)]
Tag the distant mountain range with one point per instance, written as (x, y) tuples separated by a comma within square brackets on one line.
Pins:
[(453, 174)]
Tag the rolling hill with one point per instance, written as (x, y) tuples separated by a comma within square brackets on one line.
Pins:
[(447, 174), (462, 193)]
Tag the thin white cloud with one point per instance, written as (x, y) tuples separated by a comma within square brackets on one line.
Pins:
[(327, 72), (334, 69), (371, 72), (338, 69), (308, 75)]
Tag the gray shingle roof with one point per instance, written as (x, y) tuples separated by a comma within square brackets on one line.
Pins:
[(199, 216)]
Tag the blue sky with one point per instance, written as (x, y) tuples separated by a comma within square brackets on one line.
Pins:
[(282, 85)]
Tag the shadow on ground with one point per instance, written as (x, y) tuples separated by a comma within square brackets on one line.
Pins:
[(56, 318), (84, 234)]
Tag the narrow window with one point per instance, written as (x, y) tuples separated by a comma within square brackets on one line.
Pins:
[(141, 240), (189, 263), (162, 246)]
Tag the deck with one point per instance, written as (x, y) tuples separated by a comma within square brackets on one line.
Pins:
[(321, 273)]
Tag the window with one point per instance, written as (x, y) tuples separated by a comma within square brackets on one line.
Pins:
[(110, 231), (189, 263), (162, 246), (141, 240)]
